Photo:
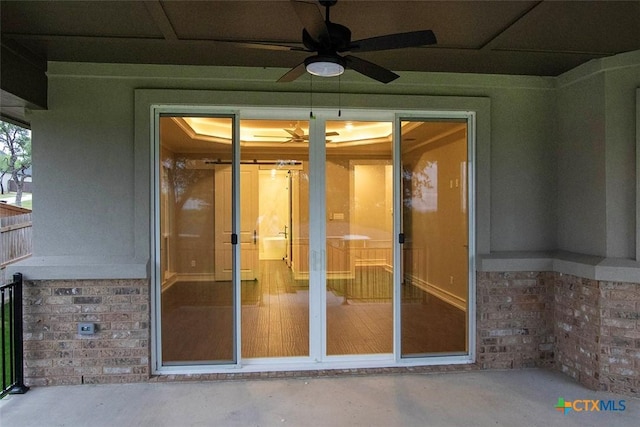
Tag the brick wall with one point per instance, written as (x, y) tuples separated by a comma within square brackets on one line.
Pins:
[(620, 337), (514, 320), (54, 351), (598, 333), (577, 328)]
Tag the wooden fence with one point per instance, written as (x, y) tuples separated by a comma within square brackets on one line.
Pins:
[(15, 238)]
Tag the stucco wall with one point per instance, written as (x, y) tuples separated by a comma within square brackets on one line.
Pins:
[(621, 120), (597, 158), (581, 168), (84, 152)]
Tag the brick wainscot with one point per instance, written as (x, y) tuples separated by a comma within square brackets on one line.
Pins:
[(54, 351), (587, 329)]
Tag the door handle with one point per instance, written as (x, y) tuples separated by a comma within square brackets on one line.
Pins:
[(255, 237)]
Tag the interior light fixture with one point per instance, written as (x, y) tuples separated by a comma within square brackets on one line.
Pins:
[(324, 66)]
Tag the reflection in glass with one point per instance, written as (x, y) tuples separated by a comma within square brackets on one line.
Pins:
[(434, 220), (196, 299), (359, 201)]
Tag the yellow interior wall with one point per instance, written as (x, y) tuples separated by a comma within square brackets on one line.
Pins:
[(442, 234)]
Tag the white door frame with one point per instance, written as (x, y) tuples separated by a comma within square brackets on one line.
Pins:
[(317, 234)]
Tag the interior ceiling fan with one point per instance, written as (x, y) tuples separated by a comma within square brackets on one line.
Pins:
[(328, 40), (297, 134)]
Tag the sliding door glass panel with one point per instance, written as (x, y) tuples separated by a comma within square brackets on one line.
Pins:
[(359, 238), (274, 208), (197, 295), (434, 290)]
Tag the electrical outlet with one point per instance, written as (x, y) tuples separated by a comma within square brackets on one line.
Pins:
[(451, 280), (86, 328), (193, 263)]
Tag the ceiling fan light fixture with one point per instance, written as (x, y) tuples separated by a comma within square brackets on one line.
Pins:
[(324, 65)]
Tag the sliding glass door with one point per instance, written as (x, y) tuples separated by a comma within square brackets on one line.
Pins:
[(274, 203), (288, 240), (435, 286), (197, 294), (359, 238)]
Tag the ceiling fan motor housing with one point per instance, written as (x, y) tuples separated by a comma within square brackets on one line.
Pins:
[(339, 40)]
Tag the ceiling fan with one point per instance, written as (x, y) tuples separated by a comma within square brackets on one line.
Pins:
[(328, 40), (297, 134)]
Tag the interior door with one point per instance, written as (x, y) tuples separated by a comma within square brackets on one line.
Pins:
[(248, 233)]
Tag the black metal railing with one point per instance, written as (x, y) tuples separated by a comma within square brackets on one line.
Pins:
[(11, 337)]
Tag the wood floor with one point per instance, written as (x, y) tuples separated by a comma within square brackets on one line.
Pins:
[(197, 318), (276, 324)]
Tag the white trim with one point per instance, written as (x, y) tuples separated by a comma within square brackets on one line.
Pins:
[(235, 227), (170, 280), (586, 266), (317, 240), (155, 294), (396, 245), (472, 224), (438, 292), (300, 364)]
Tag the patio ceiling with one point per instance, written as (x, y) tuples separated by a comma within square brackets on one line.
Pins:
[(543, 38)]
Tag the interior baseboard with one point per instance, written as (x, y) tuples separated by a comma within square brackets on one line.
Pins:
[(438, 292), (173, 278), (170, 278)]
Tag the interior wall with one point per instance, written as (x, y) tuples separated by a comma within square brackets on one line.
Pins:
[(187, 216), (300, 222), (338, 197), (439, 229), (195, 226), (168, 255), (371, 216)]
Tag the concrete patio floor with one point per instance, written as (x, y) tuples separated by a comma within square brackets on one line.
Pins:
[(476, 398)]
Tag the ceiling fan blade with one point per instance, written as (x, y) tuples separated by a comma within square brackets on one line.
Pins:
[(332, 134), (394, 41), (293, 73), (370, 69), (271, 136), (312, 20)]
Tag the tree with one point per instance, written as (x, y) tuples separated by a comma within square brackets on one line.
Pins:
[(15, 144), (3, 159)]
